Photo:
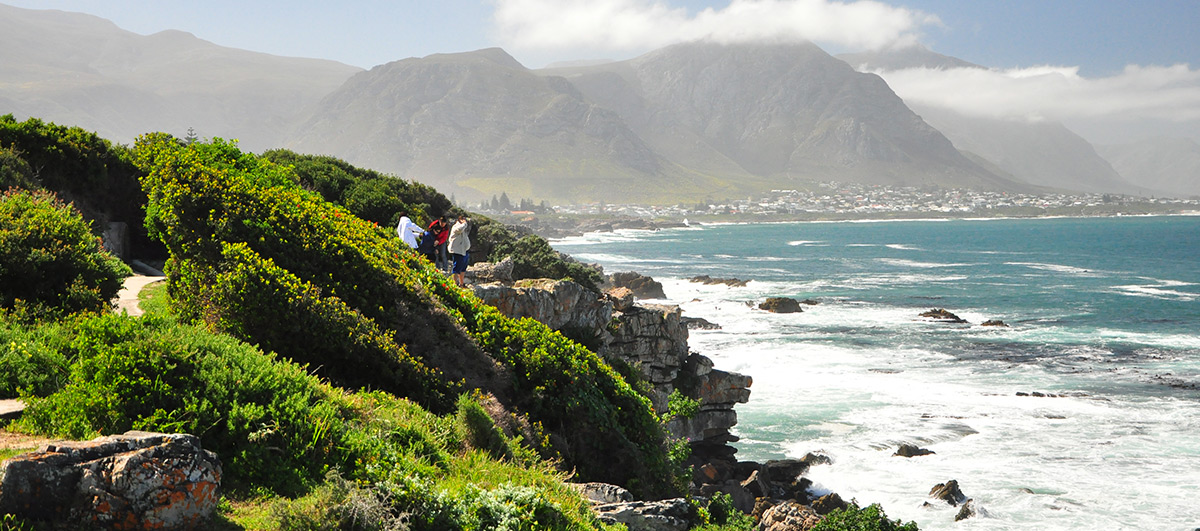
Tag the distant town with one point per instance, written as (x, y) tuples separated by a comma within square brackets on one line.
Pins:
[(832, 200)]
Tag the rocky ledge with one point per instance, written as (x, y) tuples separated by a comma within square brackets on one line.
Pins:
[(137, 480)]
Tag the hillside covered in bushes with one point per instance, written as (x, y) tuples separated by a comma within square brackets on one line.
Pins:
[(303, 343)]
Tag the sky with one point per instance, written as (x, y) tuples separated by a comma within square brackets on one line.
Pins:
[(1109, 69)]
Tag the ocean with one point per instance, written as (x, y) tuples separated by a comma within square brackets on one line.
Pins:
[(1082, 413)]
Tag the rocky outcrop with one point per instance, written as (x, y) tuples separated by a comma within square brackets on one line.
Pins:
[(560, 304), (643, 287), (651, 337), (482, 272), (137, 480), (994, 322), (788, 516), (700, 323), (780, 305), (662, 515)]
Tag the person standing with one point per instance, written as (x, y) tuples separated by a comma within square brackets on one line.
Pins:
[(440, 227), (408, 231), (459, 245)]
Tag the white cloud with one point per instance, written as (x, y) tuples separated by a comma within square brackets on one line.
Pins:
[(634, 26), (1158, 93)]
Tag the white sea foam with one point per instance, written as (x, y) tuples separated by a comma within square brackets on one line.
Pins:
[(804, 242), (913, 263), (1057, 268), (902, 247)]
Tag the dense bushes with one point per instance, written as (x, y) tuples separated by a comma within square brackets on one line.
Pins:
[(255, 255), (534, 258), (49, 262), (99, 178), (273, 425)]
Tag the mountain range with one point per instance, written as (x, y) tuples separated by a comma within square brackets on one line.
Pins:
[(687, 122)]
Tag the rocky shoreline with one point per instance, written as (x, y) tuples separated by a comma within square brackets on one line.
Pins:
[(654, 339)]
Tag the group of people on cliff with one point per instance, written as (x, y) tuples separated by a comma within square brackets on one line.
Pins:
[(447, 245)]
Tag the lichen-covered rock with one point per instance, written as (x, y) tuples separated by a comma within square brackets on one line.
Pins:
[(663, 515), (137, 480), (780, 305), (602, 493), (621, 298), (789, 516), (501, 271)]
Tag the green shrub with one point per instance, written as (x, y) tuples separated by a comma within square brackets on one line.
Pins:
[(680, 405), (534, 258), (855, 518), (29, 363), (50, 263), (272, 424), (99, 178)]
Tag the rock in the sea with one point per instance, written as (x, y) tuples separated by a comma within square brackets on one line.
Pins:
[(663, 515), (941, 315), (643, 287), (994, 322), (700, 323), (969, 509), (708, 281), (909, 450), (789, 516), (137, 480), (780, 305), (949, 492)]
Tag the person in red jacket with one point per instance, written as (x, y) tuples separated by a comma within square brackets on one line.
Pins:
[(440, 227)]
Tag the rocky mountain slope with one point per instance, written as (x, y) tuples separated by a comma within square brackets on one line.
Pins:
[(82, 70), (478, 123), (1169, 165), (1043, 153)]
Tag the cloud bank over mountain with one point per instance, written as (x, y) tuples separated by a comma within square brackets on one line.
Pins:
[(631, 27), (1140, 101)]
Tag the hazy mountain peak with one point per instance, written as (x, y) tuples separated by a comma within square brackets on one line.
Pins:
[(493, 55), (915, 56)]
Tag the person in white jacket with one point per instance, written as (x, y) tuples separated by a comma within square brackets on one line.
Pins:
[(409, 231), (459, 246)]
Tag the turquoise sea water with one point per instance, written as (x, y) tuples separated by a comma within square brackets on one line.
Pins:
[(1103, 315)]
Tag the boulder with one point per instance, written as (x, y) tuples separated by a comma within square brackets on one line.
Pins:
[(621, 298), (653, 336), (785, 470), (788, 516), (663, 515), (941, 315), (643, 287), (602, 493), (137, 480), (501, 271), (949, 492), (780, 305), (994, 322), (828, 503), (908, 450)]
